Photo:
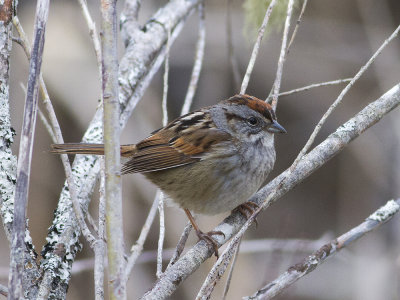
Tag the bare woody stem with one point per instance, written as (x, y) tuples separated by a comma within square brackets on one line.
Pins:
[(111, 133), (310, 263), (25, 154), (256, 48), (282, 56)]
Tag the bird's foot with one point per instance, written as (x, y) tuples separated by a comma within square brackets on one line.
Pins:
[(247, 209), (209, 240)]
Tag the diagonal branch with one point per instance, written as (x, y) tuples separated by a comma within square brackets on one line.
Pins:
[(316, 158), (310, 263)]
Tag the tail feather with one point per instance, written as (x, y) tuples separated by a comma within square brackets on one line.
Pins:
[(77, 148), (95, 149)]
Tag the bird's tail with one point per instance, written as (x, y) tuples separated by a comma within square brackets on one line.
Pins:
[(82, 148)]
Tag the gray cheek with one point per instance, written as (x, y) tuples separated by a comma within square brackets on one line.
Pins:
[(219, 118)]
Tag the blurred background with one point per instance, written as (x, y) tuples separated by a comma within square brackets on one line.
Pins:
[(334, 40)]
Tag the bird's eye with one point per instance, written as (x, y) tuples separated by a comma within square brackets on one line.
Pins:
[(253, 121)]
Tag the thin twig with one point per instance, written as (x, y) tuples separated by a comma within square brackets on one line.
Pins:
[(181, 244), (47, 125), (17, 253), (160, 195), (92, 32), (137, 248), (198, 62), (111, 135), (230, 274), (340, 98), (42, 117), (165, 85), (282, 57), (256, 48), (217, 271), (303, 9), (161, 237), (309, 264), (92, 223), (229, 41), (315, 85)]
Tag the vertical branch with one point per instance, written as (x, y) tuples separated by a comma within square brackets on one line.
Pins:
[(99, 249), (256, 47), (198, 62), (25, 154), (282, 56), (92, 32), (8, 161), (137, 248), (303, 9), (111, 129), (160, 195), (229, 279), (229, 40)]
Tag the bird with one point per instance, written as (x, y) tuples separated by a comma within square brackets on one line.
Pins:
[(208, 161)]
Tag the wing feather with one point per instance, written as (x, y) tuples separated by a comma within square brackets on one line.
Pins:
[(163, 150)]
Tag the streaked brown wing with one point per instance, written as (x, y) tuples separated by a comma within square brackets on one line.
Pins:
[(161, 151)]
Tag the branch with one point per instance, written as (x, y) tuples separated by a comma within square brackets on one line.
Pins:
[(303, 9), (111, 132), (332, 145), (198, 62), (92, 32), (8, 162), (282, 56), (137, 248), (309, 264), (256, 48), (100, 246), (314, 85), (233, 63), (144, 55), (17, 255)]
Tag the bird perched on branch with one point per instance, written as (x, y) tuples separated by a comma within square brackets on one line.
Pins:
[(208, 161)]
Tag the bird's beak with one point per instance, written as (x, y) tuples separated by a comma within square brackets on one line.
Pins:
[(276, 128)]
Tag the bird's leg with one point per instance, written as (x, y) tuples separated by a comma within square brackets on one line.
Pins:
[(204, 236), (247, 209)]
